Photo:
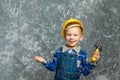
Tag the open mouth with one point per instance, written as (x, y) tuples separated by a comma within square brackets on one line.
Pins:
[(71, 42)]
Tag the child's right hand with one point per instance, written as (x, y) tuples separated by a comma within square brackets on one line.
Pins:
[(39, 59)]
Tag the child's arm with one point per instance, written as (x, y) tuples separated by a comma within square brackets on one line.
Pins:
[(49, 65), (87, 67)]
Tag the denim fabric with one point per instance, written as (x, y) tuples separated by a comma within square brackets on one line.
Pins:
[(67, 67)]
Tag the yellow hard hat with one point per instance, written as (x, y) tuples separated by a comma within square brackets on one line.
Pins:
[(72, 21)]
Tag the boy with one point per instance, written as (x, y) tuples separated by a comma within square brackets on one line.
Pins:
[(69, 60)]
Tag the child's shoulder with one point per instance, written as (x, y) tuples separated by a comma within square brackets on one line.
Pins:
[(59, 50), (82, 52)]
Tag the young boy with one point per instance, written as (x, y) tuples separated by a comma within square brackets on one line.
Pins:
[(69, 60)]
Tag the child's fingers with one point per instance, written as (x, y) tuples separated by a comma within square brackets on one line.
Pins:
[(37, 58), (97, 55)]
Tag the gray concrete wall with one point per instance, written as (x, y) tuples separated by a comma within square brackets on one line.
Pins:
[(33, 27)]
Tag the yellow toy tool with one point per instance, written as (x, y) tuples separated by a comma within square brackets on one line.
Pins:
[(98, 49)]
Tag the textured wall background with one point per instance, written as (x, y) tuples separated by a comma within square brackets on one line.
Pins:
[(33, 27)]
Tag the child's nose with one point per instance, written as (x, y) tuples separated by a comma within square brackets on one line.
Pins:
[(71, 37)]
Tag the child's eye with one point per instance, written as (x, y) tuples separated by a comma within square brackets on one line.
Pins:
[(75, 35), (68, 34)]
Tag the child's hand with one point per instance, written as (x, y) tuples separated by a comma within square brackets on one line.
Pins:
[(96, 55), (39, 59)]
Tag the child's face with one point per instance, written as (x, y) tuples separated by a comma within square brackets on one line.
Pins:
[(73, 36)]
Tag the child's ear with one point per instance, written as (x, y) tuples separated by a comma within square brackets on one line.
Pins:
[(81, 38)]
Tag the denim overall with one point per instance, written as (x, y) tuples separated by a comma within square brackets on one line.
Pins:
[(67, 67)]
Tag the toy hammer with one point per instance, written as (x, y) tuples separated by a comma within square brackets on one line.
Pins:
[(98, 49)]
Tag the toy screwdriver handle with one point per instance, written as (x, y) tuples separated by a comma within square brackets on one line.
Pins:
[(97, 50)]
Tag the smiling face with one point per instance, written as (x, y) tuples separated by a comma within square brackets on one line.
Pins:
[(72, 36)]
